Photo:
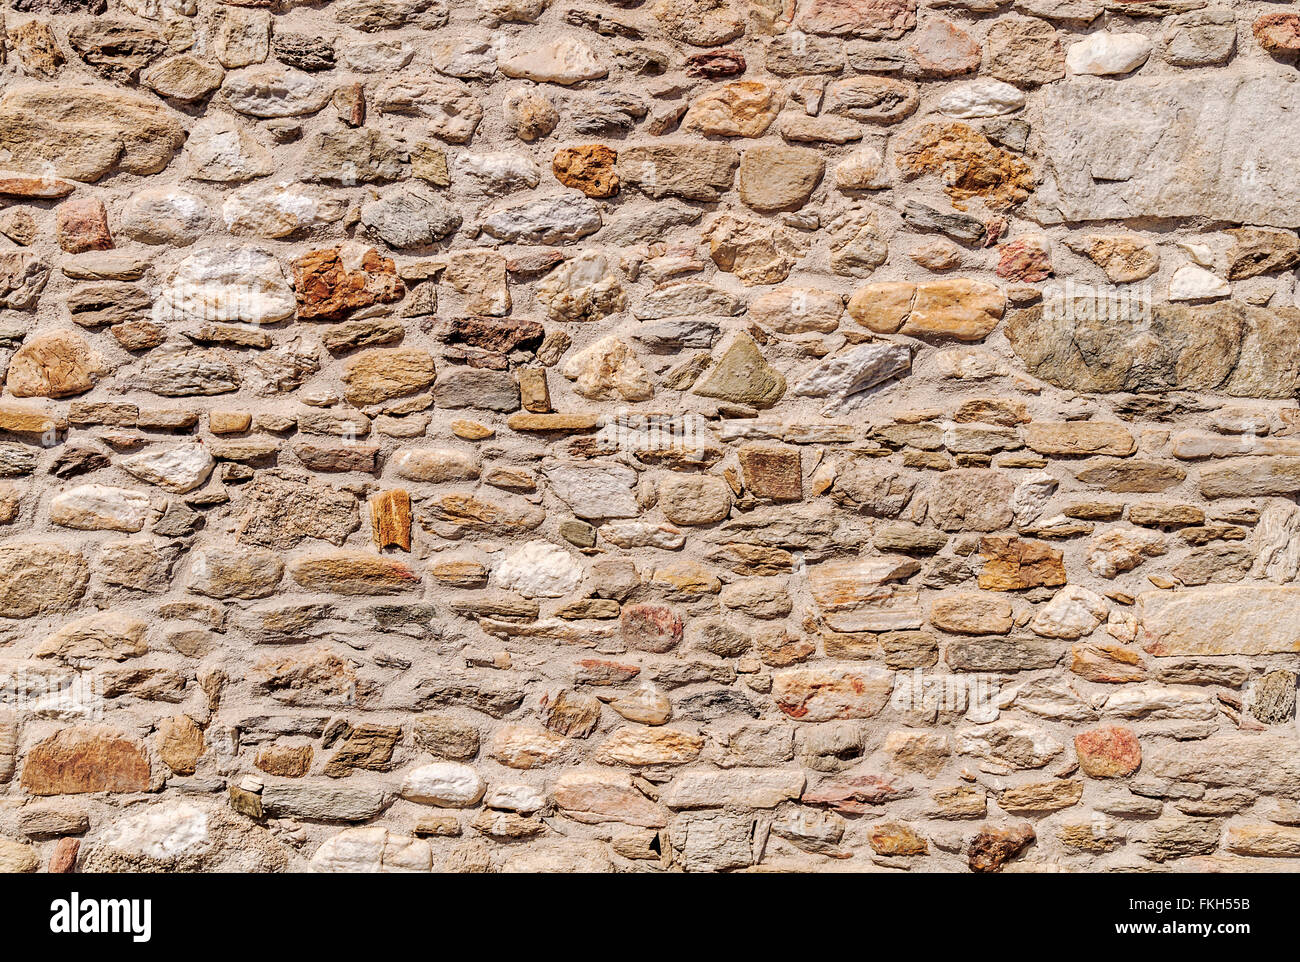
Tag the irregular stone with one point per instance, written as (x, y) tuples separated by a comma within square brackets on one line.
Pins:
[(86, 758), (84, 133)]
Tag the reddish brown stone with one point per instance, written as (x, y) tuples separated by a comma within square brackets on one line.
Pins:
[(1026, 259), (1011, 564), (872, 19), (86, 758), (772, 471), (715, 63), (597, 671), (942, 49), (651, 627), (64, 858), (15, 184), (589, 168), (1278, 32), (1112, 752), (390, 519), (328, 288), (856, 794), (993, 846), (82, 225), (501, 335)]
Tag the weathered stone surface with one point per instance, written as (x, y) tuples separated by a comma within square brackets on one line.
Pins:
[(1222, 619), (86, 758), (1145, 133), (665, 565), (84, 133)]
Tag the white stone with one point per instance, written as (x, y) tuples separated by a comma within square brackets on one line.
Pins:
[(227, 283), (564, 61), (1073, 612), (165, 216), (161, 832), (609, 368), (354, 850), (1158, 701), (1106, 54), (435, 465), (178, 469), (444, 783), (642, 534), (275, 92), (982, 98), (863, 169), (98, 507), (1201, 253), (523, 799), (276, 210), (547, 220), (540, 569), (220, 149), (844, 378), (449, 110), (1031, 496), (594, 489), (500, 172), (1192, 283), (379, 56), (1009, 743), (583, 288)]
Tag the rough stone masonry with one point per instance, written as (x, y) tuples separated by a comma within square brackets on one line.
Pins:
[(678, 435)]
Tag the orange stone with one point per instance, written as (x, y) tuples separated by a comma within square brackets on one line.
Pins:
[(895, 838), (1011, 564), (390, 519), (86, 758), (589, 168), (329, 287)]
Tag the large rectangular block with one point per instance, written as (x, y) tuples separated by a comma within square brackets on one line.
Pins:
[(1221, 620), (1214, 145)]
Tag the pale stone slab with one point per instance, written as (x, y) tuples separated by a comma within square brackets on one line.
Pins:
[(1212, 146), (1221, 620)]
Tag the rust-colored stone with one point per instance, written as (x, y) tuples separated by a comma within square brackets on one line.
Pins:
[(1012, 564), (333, 282), (81, 225), (967, 163), (993, 847), (1111, 752), (772, 471), (64, 859), (390, 519), (86, 758)]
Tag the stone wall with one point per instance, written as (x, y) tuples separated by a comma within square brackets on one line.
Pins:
[(680, 435)]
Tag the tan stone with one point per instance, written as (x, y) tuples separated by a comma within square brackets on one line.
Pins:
[(971, 613), (745, 108), (353, 573), (54, 364), (180, 744)]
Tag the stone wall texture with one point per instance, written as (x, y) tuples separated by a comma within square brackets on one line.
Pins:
[(680, 435)]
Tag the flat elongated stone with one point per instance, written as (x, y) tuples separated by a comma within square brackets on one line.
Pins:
[(1220, 620), (1133, 149)]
